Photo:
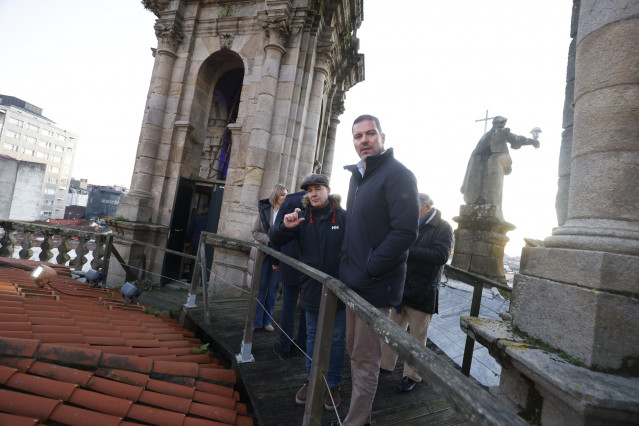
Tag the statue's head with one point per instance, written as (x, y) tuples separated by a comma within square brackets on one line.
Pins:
[(499, 121)]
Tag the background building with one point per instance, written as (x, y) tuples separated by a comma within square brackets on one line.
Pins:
[(21, 185), (27, 135), (103, 201)]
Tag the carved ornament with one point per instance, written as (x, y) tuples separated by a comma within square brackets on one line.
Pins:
[(226, 41)]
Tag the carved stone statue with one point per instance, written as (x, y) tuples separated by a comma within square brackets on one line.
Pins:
[(489, 162)]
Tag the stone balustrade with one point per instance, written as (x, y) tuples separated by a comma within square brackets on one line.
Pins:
[(52, 239)]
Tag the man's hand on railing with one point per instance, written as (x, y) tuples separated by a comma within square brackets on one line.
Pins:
[(292, 220)]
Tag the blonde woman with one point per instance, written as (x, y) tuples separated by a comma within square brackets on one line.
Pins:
[(268, 209)]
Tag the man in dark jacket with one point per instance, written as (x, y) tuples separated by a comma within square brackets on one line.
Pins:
[(382, 224), (319, 231), (290, 279), (426, 258)]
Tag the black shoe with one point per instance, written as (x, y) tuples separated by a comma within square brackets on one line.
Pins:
[(280, 353), (406, 385), (384, 372), (295, 352)]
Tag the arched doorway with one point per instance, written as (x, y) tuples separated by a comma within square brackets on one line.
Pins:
[(201, 183)]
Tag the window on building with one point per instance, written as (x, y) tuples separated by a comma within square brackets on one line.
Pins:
[(52, 180), (30, 139), (60, 137), (54, 169), (49, 191), (32, 127), (10, 147), (57, 159), (58, 148), (13, 134), (45, 144), (42, 155), (69, 150), (47, 132), (27, 151), (16, 122)]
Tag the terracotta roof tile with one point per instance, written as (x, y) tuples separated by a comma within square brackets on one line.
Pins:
[(126, 362), (70, 355), (103, 403), (10, 419), (74, 355), (41, 386), (130, 377), (7, 372), (155, 416), (18, 347), (169, 402), (223, 415), (67, 414), (27, 405), (170, 388), (110, 387), (60, 373)]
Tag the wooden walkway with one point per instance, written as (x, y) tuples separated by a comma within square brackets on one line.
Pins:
[(269, 384)]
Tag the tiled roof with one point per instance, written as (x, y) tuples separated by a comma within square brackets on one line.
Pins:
[(70, 354)]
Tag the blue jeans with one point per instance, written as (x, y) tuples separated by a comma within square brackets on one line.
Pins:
[(287, 319), (267, 294), (336, 362)]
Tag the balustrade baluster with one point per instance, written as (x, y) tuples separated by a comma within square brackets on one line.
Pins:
[(82, 249), (8, 241), (27, 243), (46, 246), (98, 252), (63, 251)]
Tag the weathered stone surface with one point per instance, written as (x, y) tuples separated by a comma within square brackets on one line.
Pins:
[(594, 269), (571, 394), (594, 326)]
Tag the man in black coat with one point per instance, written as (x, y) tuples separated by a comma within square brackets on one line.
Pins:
[(383, 212), (426, 258)]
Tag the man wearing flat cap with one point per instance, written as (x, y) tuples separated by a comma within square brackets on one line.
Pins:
[(319, 231)]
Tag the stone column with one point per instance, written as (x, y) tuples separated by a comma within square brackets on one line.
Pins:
[(329, 150), (573, 357), (593, 259), (311, 127), (276, 28), (137, 204)]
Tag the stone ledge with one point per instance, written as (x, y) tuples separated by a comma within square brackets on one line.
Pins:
[(591, 393)]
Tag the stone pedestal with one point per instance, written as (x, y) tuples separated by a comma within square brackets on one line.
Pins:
[(480, 240)]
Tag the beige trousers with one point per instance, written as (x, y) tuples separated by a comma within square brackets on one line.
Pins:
[(365, 350), (418, 322)]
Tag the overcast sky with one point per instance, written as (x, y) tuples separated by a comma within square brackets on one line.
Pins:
[(432, 68)]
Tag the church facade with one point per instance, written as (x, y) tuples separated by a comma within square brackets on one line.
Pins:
[(243, 96)]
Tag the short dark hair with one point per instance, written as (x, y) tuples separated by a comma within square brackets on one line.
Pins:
[(369, 118)]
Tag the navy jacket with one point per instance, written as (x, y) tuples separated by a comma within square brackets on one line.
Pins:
[(383, 213), (319, 237), (289, 275), (426, 258)]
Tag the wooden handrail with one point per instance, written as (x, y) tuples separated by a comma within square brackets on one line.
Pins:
[(479, 406)]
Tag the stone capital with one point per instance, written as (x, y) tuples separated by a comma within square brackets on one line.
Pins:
[(277, 30), (169, 35)]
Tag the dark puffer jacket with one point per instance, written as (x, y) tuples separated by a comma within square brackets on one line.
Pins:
[(320, 237), (426, 258), (383, 212), (288, 275)]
